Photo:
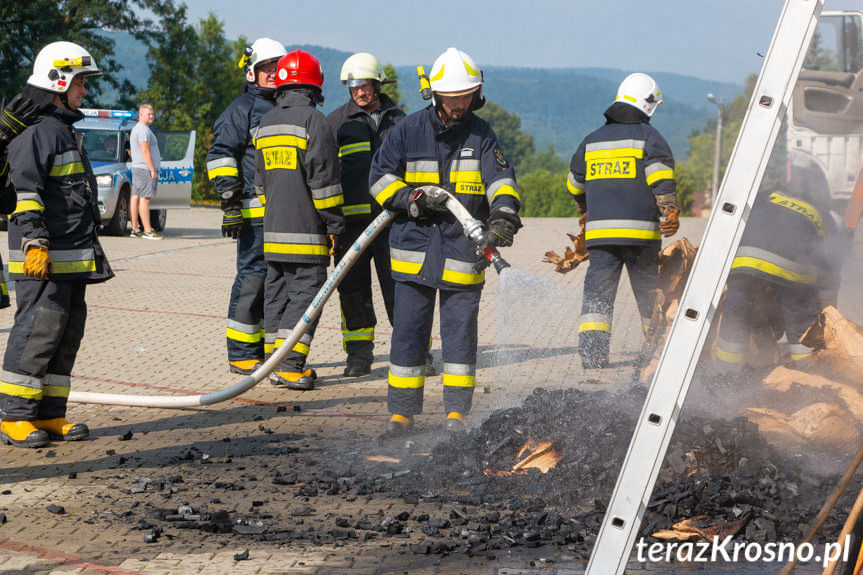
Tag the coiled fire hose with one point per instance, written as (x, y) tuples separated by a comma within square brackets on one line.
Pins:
[(473, 229)]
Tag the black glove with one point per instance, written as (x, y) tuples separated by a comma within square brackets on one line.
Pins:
[(503, 223), (232, 215), (423, 205), (16, 116)]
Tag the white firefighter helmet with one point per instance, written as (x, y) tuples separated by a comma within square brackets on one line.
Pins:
[(58, 63), (360, 67), (261, 51), (640, 91), (454, 73)]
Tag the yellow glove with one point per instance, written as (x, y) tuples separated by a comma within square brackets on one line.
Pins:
[(37, 262)]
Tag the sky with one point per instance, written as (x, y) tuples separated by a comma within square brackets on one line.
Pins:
[(711, 39)]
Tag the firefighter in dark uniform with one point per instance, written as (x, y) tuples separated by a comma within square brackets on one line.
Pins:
[(53, 252), (360, 127), (622, 178), (297, 165), (14, 119), (787, 262), (231, 168), (445, 145)]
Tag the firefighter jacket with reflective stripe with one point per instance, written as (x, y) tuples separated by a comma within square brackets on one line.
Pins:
[(463, 158), (616, 175), (358, 137), (231, 158), (298, 169), (787, 241), (56, 193)]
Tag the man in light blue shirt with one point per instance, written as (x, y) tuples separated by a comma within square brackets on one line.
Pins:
[(145, 173)]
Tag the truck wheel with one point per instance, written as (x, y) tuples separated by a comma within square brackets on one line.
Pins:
[(157, 219), (118, 223)]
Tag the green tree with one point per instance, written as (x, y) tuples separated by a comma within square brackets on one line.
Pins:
[(27, 26), (517, 146), (391, 87), (193, 78)]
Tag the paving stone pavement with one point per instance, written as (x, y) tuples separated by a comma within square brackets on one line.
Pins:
[(158, 328)]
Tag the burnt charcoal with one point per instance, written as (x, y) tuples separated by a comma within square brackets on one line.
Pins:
[(2, 518), (430, 531), (403, 516), (456, 513), (364, 524), (126, 436), (421, 549), (308, 491), (56, 509), (303, 511), (249, 527), (342, 522), (220, 522), (285, 479), (244, 556)]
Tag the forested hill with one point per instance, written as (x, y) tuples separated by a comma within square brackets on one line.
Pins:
[(556, 106)]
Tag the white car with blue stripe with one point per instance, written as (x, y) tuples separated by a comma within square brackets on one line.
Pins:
[(106, 139)]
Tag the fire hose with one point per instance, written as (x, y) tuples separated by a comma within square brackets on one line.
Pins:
[(474, 229)]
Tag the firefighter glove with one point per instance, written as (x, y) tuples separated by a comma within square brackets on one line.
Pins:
[(336, 246), (16, 116), (37, 262), (425, 205), (669, 224), (503, 223), (232, 215)]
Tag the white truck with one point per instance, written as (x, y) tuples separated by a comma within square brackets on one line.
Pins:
[(825, 119)]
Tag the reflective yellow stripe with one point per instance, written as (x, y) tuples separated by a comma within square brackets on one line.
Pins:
[(330, 202), (575, 191), (28, 205), (622, 233), (356, 209), (773, 270), (389, 191), (660, 175), (454, 380), (269, 348), (796, 356), (405, 267), (424, 177), (3, 288), (467, 176), (397, 381), (301, 249), (59, 267), (223, 171), (244, 337), (594, 326), (365, 334), (349, 149), (21, 391), (270, 141), (67, 169), (728, 356), (463, 278), (302, 348), (55, 391), (614, 153), (506, 190), (252, 212)]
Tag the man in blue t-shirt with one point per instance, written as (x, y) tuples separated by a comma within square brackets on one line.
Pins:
[(145, 173)]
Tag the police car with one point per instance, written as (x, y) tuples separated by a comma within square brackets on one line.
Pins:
[(106, 139)]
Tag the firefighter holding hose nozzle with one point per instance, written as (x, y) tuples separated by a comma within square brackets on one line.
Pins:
[(444, 145)]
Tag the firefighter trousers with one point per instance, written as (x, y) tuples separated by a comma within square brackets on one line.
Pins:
[(41, 350), (412, 324), (752, 302), (355, 294), (290, 288), (245, 330), (600, 291)]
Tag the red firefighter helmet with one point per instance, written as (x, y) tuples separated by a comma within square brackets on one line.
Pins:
[(299, 68)]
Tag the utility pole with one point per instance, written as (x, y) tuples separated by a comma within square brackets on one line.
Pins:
[(717, 155)]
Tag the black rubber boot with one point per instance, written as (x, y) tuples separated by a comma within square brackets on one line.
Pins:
[(301, 381)]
